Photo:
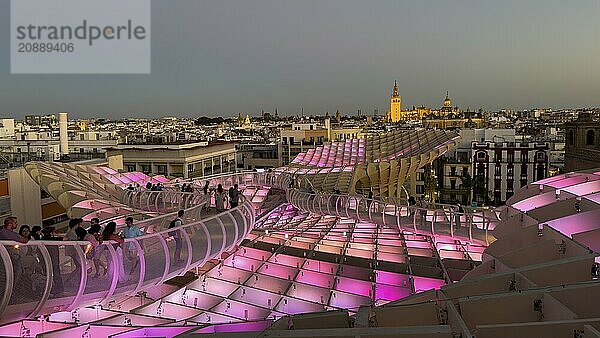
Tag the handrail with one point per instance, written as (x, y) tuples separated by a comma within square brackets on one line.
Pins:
[(127, 268), (421, 220), (162, 253)]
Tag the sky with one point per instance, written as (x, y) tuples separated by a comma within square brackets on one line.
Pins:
[(219, 58)]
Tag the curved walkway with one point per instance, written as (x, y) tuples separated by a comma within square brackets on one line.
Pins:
[(42, 277)]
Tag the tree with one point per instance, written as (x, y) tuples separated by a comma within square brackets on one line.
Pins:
[(431, 183), (467, 184), (480, 188)]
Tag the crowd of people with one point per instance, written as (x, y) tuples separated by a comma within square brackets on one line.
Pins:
[(67, 260), (27, 260)]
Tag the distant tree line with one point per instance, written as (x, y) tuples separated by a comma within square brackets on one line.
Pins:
[(205, 120)]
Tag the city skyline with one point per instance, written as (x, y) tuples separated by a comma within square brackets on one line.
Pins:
[(222, 59)]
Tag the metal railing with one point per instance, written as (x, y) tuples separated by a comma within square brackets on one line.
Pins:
[(446, 220), (48, 276), (42, 277)]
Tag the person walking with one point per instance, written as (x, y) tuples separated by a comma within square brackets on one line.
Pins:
[(131, 231)]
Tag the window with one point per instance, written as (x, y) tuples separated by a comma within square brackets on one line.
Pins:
[(130, 167), (540, 172), (510, 156), (161, 169), (590, 138), (524, 157), (571, 137), (540, 156), (481, 155), (452, 184), (498, 155), (146, 168), (498, 170), (465, 171), (453, 171), (510, 171)]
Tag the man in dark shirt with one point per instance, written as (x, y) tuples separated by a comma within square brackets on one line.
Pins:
[(234, 196)]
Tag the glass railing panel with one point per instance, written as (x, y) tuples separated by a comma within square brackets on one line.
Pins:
[(216, 236), (178, 250), (29, 278), (4, 287), (66, 279), (154, 256), (230, 228), (100, 272), (199, 240), (239, 220)]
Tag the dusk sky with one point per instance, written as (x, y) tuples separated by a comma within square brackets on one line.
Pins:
[(224, 57)]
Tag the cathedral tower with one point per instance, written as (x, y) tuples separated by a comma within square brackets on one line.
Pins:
[(395, 113)]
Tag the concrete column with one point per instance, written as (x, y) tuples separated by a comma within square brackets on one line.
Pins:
[(25, 199), (186, 174), (63, 134)]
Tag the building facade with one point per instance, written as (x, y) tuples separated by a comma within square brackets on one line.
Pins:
[(187, 160), (489, 165), (507, 167), (582, 148), (257, 156)]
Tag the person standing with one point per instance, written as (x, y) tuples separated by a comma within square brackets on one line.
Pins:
[(25, 231), (36, 232), (177, 222), (131, 231), (7, 232), (96, 249), (109, 235), (95, 221), (234, 196), (220, 198), (71, 235)]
